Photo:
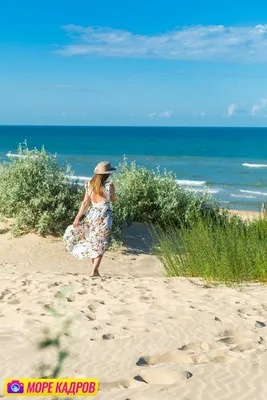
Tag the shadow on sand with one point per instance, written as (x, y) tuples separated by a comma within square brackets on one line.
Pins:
[(137, 239)]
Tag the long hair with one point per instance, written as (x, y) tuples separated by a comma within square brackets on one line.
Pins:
[(97, 183)]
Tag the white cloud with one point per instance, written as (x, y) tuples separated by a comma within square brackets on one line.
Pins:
[(152, 115), (259, 108), (202, 115), (211, 42), (232, 110), (164, 114)]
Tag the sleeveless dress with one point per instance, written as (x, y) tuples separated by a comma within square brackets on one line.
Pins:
[(91, 238)]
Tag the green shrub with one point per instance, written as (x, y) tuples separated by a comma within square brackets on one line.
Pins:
[(228, 250), (36, 192), (154, 197)]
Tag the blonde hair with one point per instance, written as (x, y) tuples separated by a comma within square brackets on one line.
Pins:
[(97, 183)]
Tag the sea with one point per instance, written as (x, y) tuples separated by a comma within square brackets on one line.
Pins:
[(228, 163)]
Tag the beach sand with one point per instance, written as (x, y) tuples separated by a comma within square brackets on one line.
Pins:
[(246, 215), (144, 336)]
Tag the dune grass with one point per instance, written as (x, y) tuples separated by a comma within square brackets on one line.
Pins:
[(225, 250)]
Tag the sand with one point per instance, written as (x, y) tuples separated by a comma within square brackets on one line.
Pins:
[(246, 215), (144, 336)]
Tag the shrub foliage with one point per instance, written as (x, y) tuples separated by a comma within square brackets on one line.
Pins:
[(36, 192), (153, 197)]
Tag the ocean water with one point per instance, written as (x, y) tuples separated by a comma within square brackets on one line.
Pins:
[(229, 163)]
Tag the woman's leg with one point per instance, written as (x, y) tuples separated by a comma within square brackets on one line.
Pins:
[(96, 264)]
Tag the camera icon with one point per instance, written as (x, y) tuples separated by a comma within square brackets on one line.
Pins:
[(15, 387)]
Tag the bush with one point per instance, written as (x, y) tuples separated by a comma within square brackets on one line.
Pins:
[(36, 192), (230, 252), (153, 197)]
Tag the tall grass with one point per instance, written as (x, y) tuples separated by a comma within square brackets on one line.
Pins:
[(227, 250)]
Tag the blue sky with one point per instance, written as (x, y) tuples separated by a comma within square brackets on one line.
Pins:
[(147, 62)]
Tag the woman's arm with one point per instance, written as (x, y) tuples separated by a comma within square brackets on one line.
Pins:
[(112, 193), (84, 206)]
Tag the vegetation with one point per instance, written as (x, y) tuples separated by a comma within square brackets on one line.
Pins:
[(37, 193), (153, 197), (193, 237), (55, 340), (227, 250)]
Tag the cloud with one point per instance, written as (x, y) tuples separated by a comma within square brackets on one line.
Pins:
[(232, 110), (152, 115), (206, 43), (164, 114), (259, 108)]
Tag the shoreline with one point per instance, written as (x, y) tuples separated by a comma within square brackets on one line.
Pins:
[(246, 215)]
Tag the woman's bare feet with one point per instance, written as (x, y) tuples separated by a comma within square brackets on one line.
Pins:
[(95, 273), (96, 264)]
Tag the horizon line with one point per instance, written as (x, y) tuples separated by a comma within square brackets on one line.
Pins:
[(133, 126)]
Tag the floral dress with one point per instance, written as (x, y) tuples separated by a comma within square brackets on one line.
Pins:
[(91, 238)]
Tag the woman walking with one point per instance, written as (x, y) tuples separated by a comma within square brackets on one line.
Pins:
[(88, 237)]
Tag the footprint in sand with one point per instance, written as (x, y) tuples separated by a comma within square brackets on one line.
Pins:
[(108, 336), (97, 328), (201, 346), (26, 282), (13, 301), (172, 357), (162, 377), (249, 311), (223, 359), (71, 298), (148, 377), (260, 324), (5, 293), (82, 291), (94, 305), (248, 346), (54, 285), (90, 317)]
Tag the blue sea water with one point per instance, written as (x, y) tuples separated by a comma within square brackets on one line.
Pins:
[(231, 163)]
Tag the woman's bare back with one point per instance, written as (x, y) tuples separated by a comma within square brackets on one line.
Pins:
[(96, 198)]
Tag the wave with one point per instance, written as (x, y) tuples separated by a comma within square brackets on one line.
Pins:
[(14, 155), (206, 190), (11, 155), (243, 197), (78, 178), (254, 165), (253, 192), (190, 183)]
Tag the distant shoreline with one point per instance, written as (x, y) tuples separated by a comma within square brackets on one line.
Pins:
[(246, 214)]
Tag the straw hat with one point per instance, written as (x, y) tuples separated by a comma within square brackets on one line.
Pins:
[(104, 168)]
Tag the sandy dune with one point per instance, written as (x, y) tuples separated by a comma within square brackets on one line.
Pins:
[(144, 336)]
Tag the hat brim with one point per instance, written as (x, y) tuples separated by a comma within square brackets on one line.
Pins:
[(110, 171)]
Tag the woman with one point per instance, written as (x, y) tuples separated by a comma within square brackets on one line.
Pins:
[(88, 237)]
